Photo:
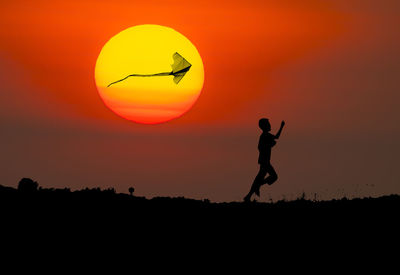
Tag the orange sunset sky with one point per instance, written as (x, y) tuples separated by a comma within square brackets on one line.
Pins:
[(330, 69)]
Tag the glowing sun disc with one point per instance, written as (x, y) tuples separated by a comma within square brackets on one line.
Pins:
[(148, 50)]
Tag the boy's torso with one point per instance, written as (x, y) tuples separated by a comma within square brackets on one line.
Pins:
[(265, 144)]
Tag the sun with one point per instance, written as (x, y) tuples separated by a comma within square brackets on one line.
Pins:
[(148, 50)]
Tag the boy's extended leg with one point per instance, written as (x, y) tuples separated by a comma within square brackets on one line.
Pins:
[(258, 181)]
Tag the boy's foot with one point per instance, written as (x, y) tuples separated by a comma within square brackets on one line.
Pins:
[(247, 198)]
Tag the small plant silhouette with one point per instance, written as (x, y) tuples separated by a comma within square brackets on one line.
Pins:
[(131, 190), (27, 185)]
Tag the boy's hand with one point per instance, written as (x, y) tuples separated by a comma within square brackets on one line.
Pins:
[(282, 123)]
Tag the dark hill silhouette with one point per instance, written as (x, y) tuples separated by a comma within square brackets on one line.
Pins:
[(62, 203), (60, 218)]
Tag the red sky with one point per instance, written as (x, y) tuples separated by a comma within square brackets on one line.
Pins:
[(329, 68)]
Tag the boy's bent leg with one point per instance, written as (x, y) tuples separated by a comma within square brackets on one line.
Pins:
[(273, 176)]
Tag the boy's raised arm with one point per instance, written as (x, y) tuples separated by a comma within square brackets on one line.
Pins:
[(280, 130)]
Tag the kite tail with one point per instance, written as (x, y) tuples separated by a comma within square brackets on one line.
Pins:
[(142, 75)]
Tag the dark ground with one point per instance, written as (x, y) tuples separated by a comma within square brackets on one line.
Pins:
[(95, 205), (97, 218)]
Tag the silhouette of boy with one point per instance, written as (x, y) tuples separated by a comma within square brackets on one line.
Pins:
[(265, 144)]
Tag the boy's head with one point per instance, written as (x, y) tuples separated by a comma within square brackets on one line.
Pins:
[(264, 124)]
